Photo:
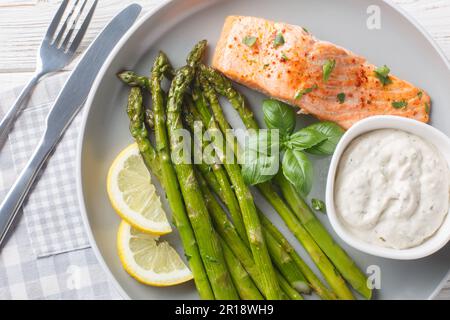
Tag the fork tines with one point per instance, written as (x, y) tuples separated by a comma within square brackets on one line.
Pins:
[(65, 33)]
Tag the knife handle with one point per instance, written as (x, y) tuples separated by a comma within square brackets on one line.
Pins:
[(15, 197)]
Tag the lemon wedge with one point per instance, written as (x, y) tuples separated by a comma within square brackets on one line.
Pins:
[(149, 260), (132, 194)]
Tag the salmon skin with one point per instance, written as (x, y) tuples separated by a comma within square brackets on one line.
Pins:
[(287, 63)]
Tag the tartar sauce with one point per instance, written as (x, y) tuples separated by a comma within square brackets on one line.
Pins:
[(392, 189)]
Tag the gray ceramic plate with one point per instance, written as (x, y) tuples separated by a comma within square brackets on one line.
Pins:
[(174, 28)]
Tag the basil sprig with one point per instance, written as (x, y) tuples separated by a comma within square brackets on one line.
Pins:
[(278, 115), (333, 134), (260, 162), (298, 169), (305, 139), (262, 153)]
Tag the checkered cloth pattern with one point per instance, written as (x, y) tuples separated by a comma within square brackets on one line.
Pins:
[(48, 255), (51, 211)]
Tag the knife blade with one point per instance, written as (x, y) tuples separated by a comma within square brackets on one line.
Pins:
[(66, 106)]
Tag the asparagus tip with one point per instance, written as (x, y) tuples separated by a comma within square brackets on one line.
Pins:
[(126, 76)]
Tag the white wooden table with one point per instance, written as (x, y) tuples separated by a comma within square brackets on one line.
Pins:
[(23, 22)]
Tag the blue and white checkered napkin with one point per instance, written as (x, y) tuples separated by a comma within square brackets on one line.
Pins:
[(42, 258), (51, 210)]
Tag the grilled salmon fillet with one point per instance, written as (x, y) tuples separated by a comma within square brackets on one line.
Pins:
[(286, 62)]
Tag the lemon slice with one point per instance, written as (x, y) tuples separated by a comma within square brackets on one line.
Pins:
[(149, 260), (132, 194)]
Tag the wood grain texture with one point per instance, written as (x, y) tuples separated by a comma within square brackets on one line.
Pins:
[(22, 27), (23, 23)]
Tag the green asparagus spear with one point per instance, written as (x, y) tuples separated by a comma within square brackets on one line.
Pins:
[(192, 116), (286, 265), (224, 87), (150, 118), (134, 80), (139, 132), (154, 164), (317, 285), (194, 122), (164, 171), (250, 216), (242, 281), (290, 292), (228, 233), (279, 256), (333, 278), (236, 269), (196, 54), (207, 239), (208, 91), (336, 254), (341, 260)]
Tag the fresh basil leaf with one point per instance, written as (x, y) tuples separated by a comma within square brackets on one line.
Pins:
[(318, 205), (249, 41), (327, 68), (300, 93), (259, 169), (304, 139), (261, 158), (298, 170), (279, 40), (341, 97), (382, 73), (399, 104), (278, 115), (263, 141), (332, 131)]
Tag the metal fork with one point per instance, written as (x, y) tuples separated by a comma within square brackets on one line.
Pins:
[(53, 54)]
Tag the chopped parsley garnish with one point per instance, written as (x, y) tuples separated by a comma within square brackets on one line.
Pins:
[(382, 73), (427, 107), (318, 205), (304, 29), (279, 40), (284, 56), (419, 94), (304, 91), (399, 104), (327, 68), (341, 97), (249, 41)]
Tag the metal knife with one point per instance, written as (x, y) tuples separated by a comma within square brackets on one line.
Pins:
[(66, 106)]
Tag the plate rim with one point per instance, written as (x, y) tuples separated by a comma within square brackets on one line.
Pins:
[(93, 92)]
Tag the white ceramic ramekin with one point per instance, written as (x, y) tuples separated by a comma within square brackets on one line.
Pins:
[(428, 133)]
